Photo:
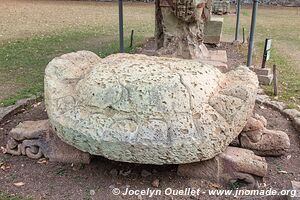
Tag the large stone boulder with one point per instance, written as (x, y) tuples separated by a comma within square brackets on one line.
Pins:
[(142, 109)]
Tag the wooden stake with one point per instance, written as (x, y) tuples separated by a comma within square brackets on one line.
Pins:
[(131, 38), (275, 80)]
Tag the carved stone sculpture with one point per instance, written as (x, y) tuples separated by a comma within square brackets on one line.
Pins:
[(142, 109), (36, 139), (262, 141), (180, 26), (234, 164)]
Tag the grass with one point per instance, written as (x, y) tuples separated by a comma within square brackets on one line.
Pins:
[(5, 196), (23, 61), (26, 48), (282, 25), (78, 25)]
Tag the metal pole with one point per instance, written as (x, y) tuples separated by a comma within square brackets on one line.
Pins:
[(237, 26), (121, 26), (251, 42)]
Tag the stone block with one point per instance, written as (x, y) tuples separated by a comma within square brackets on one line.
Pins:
[(218, 55), (297, 124), (223, 67), (291, 113), (262, 71), (213, 30), (265, 75), (295, 187), (265, 80), (232, 165)]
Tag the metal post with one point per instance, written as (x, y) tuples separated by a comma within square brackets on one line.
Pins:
[(121, 26), (251, 42), (237, 25)]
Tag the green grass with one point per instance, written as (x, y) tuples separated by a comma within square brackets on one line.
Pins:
[(5, 196), (23, 61), (282, 25), (289, 80)]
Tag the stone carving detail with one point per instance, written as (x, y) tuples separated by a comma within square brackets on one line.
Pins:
[(234, 164), (142, 109), (262, 141), (35, 139), (180, 26)]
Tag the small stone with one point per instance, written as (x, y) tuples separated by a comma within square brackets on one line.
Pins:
[(92, 192), (155, 183), (125, 173), (145, 173), (19, 184), (111, 186), (113, 172), (140, 197), (291, 113), (295, 187), (280, 106), (297, 123)]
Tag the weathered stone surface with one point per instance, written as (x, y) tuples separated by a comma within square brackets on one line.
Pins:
[(295, 187), (291, 113), (13, 109), (36, 139), (232, 165), (262, 98), (142, 109), (265, 80), (213, 30), (266, 142), (297, 123), (218, 55), (179, 27), (223, 67), (262, 141)]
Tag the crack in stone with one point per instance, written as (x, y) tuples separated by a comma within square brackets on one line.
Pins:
[(188, 91)]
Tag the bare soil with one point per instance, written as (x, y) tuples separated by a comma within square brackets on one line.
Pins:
[(66, 181), (96, 180)]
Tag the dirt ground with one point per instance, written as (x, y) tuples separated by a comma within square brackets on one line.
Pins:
[(66, 181), (96, 180)]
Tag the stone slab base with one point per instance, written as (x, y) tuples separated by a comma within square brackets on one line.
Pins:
[(265, 80), (223, 67), (265, 75), (295, 185), (213, 30), (217, 58), (218, 55)]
